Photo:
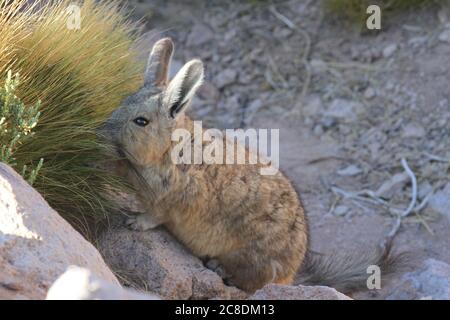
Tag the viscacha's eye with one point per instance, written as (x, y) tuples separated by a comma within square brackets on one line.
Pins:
[(140, 121)]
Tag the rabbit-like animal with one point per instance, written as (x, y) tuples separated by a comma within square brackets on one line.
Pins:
[(253, 225)]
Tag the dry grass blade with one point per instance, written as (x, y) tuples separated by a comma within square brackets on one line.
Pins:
[(80, 76)]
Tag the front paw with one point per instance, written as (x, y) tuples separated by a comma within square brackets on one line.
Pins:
[(141, 222)]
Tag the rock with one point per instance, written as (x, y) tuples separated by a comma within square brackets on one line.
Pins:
[(393, 185), (417, 41), (369, 93), (208, 92), (440, 201), (351, 170), (81, 284), (36, 244), (424, 189), (318, 130), (413, 130), (327, 122), (313, 106), (432, 281), (200, 34), (225, 78), (341, 210), (318, 66), (344, 109), (283, 292), (158, 262), (255, 105), (445, 36), (389, 50)]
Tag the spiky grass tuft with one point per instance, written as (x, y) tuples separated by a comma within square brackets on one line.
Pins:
[(80, 77)]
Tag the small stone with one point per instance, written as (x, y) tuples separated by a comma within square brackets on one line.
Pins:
[(255, 105), (393, 185), (424, 189), (341, 210), (369, 93), (318, 65), (282, 32), (327, 122), (318, 130), (445, 36), (209, 92), (81, 284), (313, 106), (440, 201), (283, 292), (351, 170), (200, 34), (344, 109), (417, 41), (389, 50), (443, 103), (234, 103), (225, 78), (412, 130)]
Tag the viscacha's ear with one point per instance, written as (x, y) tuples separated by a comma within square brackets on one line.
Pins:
[(183, 86), (158, 64)]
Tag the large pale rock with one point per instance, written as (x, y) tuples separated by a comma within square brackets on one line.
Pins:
[(432, 281), (81, 284), (36, 244), (283, 292), (157, 262)]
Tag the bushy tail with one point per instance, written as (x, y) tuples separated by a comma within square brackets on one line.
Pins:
[(348, 272)]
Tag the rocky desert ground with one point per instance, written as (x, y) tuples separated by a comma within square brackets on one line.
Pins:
[(364, 135)]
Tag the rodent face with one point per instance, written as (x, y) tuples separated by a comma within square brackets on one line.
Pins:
[(141, 129), (142, 132)]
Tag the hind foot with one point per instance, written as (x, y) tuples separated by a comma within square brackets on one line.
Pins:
[(214, 265)]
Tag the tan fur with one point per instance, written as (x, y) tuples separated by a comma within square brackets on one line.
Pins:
[(254, 225)]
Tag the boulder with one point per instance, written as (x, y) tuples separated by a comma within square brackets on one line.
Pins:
[(432, 281), (81, 284), (299, 292), (36, 244), (156, 261)]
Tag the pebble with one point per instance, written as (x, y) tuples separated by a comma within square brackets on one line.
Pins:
[(209, 92), (199, 35), (369, 93), (445, 36), (351, 170), (225, 78), (344, 109), (440, 201), (389, 50), (340, 210), (412, 130)]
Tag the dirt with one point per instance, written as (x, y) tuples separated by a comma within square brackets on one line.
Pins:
[(349, 109)]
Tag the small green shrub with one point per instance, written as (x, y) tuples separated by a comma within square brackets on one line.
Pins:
[(16, 125)]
